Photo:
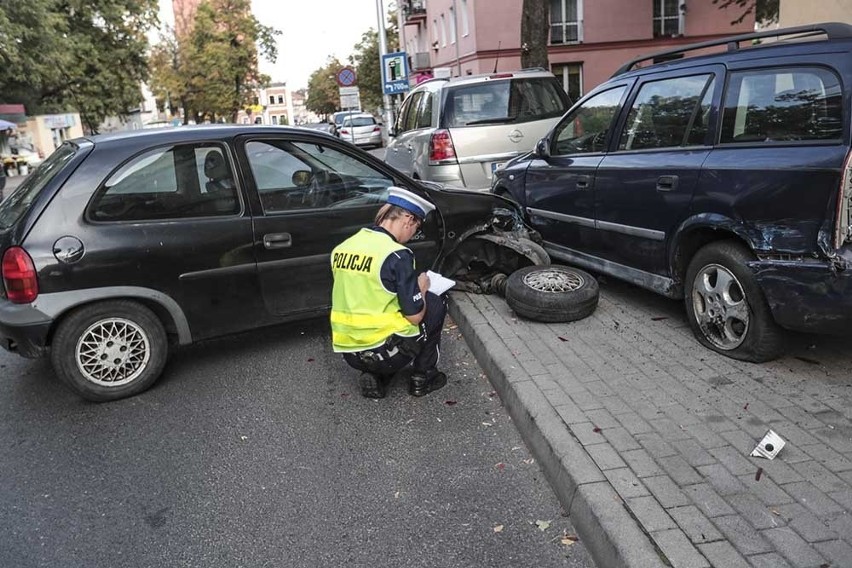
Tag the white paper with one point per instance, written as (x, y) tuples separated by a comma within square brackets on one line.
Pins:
[(439, 284), (769, 446)]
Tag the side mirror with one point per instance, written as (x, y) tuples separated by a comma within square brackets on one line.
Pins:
[(542, 148), (391, 132), (302, 178)]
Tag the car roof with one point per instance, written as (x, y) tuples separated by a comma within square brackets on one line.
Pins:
[(194, 132)]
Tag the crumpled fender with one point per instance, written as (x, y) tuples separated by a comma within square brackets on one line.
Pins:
[(525, 247)]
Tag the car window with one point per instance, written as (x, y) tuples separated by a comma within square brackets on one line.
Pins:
[(359, 121), (399, 125), (664, 112), (585, 129), (424, 112), (411, 114), (772, 105), (504, 102), (15, 205), (186, 180), (292, 176)]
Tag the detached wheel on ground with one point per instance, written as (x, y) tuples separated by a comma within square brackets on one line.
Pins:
[(110, 350), (725, 306), (552, 293)]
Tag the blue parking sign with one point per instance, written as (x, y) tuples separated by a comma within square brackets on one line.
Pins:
[(394, 73)]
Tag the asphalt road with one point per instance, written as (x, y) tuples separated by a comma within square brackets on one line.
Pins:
[(257, 450)]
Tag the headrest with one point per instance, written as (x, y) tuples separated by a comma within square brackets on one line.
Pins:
[(409, 201), (214, 165)]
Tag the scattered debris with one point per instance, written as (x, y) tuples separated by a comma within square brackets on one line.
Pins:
[(243, 438), (409, 421), (659, 318), (746, 406), (500, 466), (310, 359), (561, 338), (488, 424), (596, 430), (758, 474), (344, 395), (529, 461), (450, 402), (516, 448), (808, 360), (498, 528), (542, 525), (568, 539), (492, 394), (769, 446)]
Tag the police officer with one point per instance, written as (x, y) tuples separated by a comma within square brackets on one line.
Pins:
[(382, 317)]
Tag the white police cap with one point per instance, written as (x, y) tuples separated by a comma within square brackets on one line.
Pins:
[(409, 201)]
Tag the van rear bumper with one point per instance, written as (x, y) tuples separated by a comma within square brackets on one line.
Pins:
[(23, 329), (807, 295)]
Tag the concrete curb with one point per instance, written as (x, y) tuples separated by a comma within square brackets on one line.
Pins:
[(611, 534)]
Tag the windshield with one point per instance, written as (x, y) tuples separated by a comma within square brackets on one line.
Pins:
[(505, 102), (13, 207)]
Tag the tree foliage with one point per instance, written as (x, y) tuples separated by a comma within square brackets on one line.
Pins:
[(323, 94), (212, 71), (368, 63), (62, 55), (763, 10), (535, 30)]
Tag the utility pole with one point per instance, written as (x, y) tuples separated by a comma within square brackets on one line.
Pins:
[(383, 50)]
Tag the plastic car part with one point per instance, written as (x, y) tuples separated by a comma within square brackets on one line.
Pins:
[(552, 293), (481, 262), (725, 306), (109, 350)]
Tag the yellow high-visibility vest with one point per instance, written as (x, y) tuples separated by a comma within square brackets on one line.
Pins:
[(364, 314)]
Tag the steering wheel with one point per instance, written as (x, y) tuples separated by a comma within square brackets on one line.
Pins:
[(319, 193)]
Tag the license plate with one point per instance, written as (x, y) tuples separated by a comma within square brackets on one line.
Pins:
[(497, 166)]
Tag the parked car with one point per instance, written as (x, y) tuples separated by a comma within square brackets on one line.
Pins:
[(459, 131), (362, 130), (327, 127), (337, 118), (121, 245), (722, 179)]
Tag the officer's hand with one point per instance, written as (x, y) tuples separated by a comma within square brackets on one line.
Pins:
[(423, 283)]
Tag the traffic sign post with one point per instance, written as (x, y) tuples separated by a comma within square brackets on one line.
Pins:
[(346, 77), (395, 73), (350, 97)]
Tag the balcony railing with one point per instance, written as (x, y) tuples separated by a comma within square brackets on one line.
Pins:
[(414, 10)]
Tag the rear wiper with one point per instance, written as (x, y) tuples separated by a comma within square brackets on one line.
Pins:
[(500, 120)]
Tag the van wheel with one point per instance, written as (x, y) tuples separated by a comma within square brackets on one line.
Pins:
[(726, 308), (110, 350), (552, 293)]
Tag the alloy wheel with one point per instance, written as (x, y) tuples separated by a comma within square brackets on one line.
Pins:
[(720, 307), (112, 352)]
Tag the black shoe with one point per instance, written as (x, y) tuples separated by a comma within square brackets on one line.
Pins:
[(421, 385), (372, 386)]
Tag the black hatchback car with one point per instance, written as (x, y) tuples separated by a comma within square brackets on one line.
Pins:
[(122, 245), (723, 179)]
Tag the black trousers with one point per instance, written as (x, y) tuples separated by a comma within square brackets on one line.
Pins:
[(423, 351)]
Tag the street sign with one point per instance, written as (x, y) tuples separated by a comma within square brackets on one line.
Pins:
[(346, 77), (350, 97), (394, 73)]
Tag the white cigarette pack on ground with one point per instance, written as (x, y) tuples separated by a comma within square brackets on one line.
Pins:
[(769, 446)]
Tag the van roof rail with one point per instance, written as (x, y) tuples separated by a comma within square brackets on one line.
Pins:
[(833, 30)]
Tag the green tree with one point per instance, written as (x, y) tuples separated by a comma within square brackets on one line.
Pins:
[(535, 24), (323, 92), (61, 55), (213, 71), (763, 10), (368, 63)]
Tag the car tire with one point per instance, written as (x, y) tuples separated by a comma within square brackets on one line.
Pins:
[(726, 307), (552, 293), (109, 350)]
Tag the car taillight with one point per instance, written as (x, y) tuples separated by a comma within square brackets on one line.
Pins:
[(441, 147), (377, 129), (843, 231), (344, 131), (19, 276)]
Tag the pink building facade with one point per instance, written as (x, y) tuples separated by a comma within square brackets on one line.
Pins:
[(589, 39)]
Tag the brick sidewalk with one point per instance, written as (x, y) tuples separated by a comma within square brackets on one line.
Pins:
[(645, 435)]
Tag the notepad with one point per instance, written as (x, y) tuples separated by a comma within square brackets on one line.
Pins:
[(439, 284)]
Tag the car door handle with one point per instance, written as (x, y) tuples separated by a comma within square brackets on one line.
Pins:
[(583, 182), (667, 183), (410, 148), (277, 240)]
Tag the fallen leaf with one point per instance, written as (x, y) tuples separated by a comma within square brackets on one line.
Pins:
[(501, 466), (498, 528), (659, 318), (396, 495), (450, 402), (746, 406), (310, 359), (569, 539), (542, 525), (561, 338), (596, 430), (758, 474)]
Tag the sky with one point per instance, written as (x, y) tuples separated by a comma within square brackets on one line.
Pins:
[(311, 30)]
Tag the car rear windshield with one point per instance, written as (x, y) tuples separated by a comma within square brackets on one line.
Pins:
[(359, 121), (504, 102), (14, 206)]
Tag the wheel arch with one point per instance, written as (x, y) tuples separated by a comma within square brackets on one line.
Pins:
[(60, 305), (700, 231)]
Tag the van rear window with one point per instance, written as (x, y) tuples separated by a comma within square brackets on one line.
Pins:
[(14, 206), (504, 102)]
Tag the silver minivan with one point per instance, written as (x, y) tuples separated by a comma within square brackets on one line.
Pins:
[(459, 131)]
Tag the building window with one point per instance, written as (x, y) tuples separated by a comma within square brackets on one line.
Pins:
[(566, 21), (280, 99), (453, 25), (444, 32), (435, 34), (271, 99), (571, 77), (667, 18), (274, 120), (464, 19), (255, 101)]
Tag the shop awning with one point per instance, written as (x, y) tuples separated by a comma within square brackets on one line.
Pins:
[(6, 125)]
